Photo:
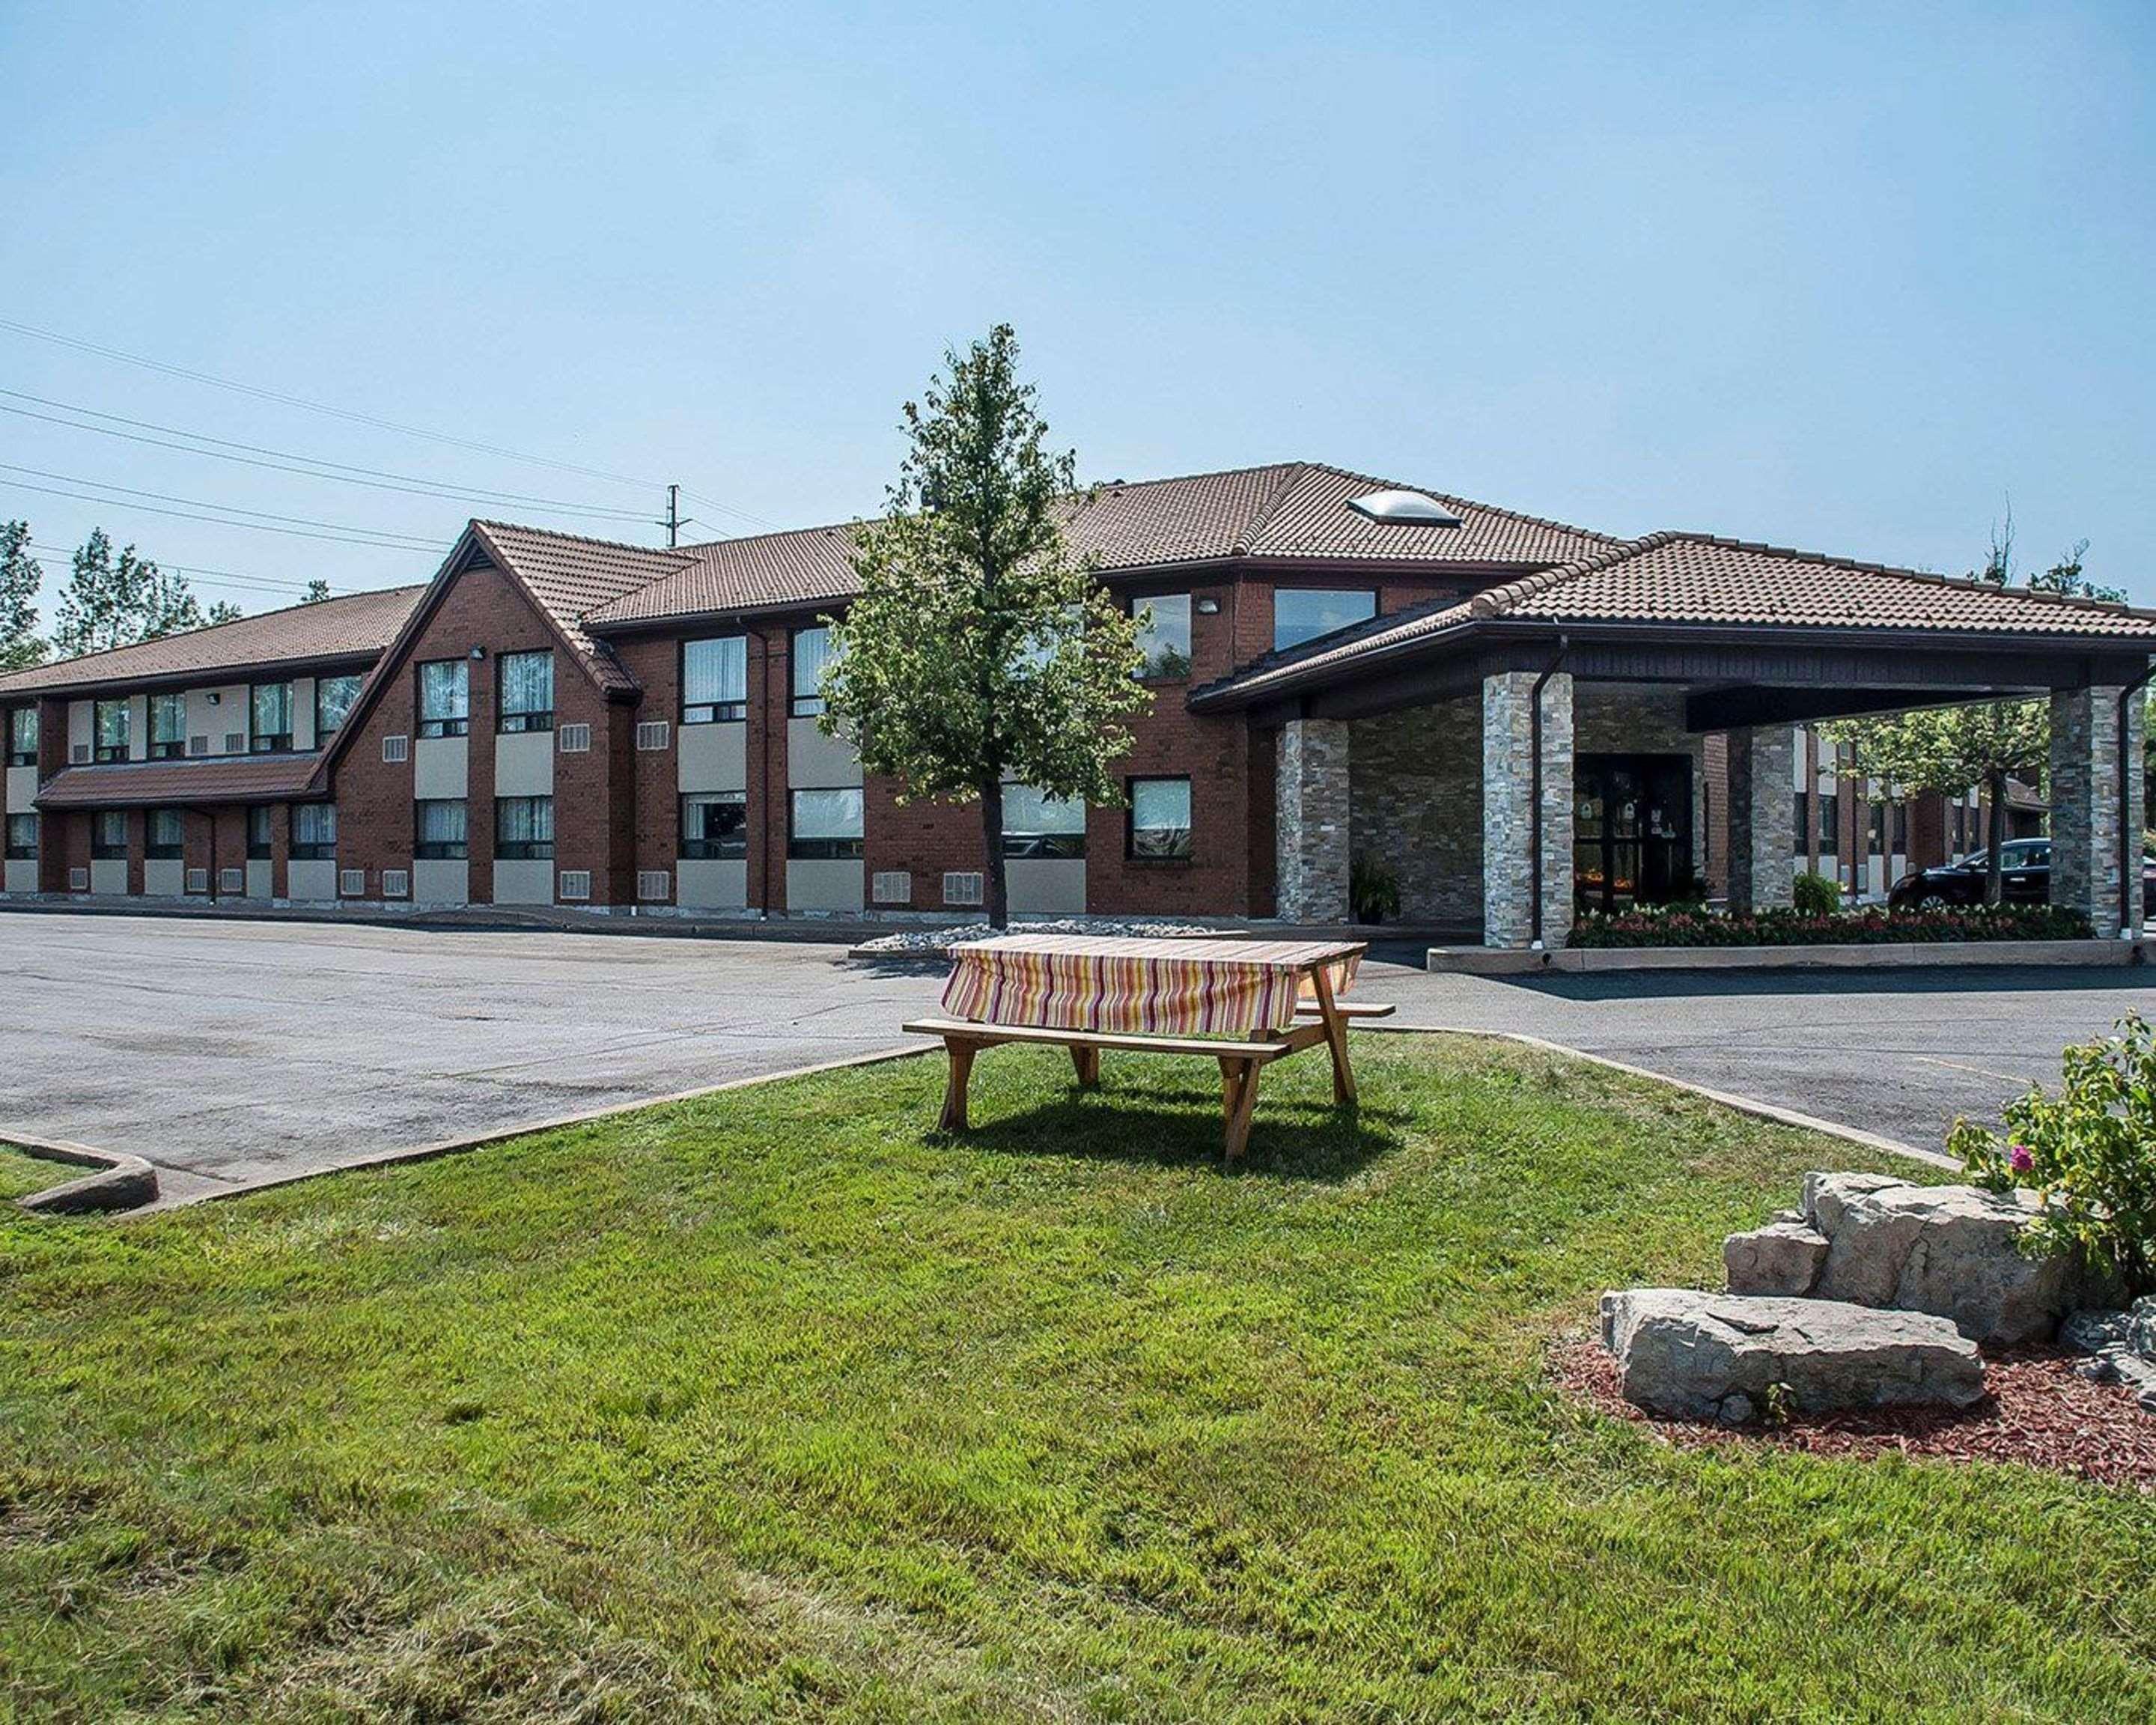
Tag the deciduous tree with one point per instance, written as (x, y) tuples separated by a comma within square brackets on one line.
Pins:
[(115, 602), (979, 647), (20, 578)]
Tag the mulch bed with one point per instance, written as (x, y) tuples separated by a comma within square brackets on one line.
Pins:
[(2039, 1412)]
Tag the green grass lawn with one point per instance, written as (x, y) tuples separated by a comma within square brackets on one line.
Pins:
[(777, 1404), (20, 1175)]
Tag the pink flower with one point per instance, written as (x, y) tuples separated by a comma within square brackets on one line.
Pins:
[(2020, 1158)]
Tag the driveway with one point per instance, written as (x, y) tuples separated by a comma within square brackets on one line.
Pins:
[(231, 1053)]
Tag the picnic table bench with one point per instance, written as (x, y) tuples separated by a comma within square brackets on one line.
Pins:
[(1244, 1004)]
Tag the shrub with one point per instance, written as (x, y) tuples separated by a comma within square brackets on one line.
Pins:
[(1373, 891), (2089, 1153), (1875, 925), (1816, 896)]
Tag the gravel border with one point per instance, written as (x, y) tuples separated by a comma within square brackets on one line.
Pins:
[(935, 942)]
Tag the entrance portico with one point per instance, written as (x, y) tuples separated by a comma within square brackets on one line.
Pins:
[(1496, 754)]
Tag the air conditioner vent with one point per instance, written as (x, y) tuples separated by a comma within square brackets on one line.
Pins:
[(198, 746), (891, 886), (575, 739), (964, 887), (396, 749), (77, 879), (197, 880), (79, 754), (654, 887), (235, 743), (397, 883), (232, 879), (653, 735), (351, 883), (576, 884)]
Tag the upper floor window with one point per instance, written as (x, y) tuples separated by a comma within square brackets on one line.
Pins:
[(257, 833), (169, 727), (108, 835), (270, 718), (333, 700), (1163, 633), (441, 833), (444, 698), (23, 736), (1037, 826), (527, 690), (715, 680), (1303, 614), (523, 828), (812, 652), (165, 838), (314, 832), (22, 838), (109, 719)]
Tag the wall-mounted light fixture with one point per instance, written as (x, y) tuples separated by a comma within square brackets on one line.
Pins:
[(216, 698), (479, 652), (1208, 606)]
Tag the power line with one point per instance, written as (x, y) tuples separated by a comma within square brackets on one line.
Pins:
[(347, 473), (316, 407), (43, 551), (399, 543)]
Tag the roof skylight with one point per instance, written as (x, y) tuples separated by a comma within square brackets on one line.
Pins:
[(1405, 509)]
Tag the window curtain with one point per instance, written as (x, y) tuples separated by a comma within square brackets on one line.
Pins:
[(715, 673), (314, 823), (273, 709), (527, 682), (827, 815), (168, 718), (444, 689), (442, 822), (112, 724), (524, 820), (333, 700), (23, 726), (812, 652)]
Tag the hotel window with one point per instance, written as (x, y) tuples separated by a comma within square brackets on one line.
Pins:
[(1160, 820), (444, 698), (825, 825), (333, 700), (108, 835), (715, 680), (270, 719), (257, 833), (715, 827), (165, 838), (169, 727), (812, 652), (527, 690), (441, 835), (109, 719), (1303, 614), (23, 736), (1164, 634), (314, 832), (1035, 826), (22, 838), (1830, 806), (1800, 828), (523, 828)]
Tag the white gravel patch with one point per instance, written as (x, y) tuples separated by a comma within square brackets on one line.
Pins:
[(932, 941)]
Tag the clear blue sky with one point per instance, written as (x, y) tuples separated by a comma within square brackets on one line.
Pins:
[(1842, 278)]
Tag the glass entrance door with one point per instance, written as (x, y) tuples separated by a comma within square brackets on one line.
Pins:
[(1631, 831)]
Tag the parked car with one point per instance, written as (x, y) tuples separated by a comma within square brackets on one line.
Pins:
[(2025, 867)]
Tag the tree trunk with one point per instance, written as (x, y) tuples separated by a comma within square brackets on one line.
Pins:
[(1994, 876), (992, 852)]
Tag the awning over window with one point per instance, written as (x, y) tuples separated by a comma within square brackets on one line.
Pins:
[(238, 779)]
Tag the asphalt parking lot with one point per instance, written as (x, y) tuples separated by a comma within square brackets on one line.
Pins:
[(230, 1053)]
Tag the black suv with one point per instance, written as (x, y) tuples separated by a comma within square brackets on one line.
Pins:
[(2024, 867)]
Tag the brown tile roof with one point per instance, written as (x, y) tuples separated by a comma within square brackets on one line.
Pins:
[(1295, 510), (569, 576), (1694, 578), (354, 626), (237, 779)]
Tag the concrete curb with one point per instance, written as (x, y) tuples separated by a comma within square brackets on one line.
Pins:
[(122, 1182), (1488, 961)]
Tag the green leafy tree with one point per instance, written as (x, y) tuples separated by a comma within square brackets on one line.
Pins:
[(224, 611), (20, 578), (979, 647), (115, 602), (317, 590)]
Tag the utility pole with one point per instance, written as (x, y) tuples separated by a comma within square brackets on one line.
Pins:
[(675, 521)]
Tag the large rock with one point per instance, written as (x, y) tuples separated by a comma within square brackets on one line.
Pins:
[(1951, 1250), (1784, 1257), (1718, 1356)]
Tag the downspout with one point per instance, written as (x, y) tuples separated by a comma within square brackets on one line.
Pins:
[(1535, 792), (2129, 842)]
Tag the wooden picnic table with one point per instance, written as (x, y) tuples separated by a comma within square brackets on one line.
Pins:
[(1242, 1003)]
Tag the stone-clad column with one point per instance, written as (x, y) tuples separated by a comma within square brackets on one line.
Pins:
[(1761, 806), (2085, 802), (1312, 820), (1508, 794)]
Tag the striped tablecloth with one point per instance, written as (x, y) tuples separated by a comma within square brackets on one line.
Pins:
[(1162, 988)]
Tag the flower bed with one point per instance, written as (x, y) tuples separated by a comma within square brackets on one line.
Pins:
[(1695, 926)]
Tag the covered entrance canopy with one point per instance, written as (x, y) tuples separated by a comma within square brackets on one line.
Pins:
[(1450, 739)]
